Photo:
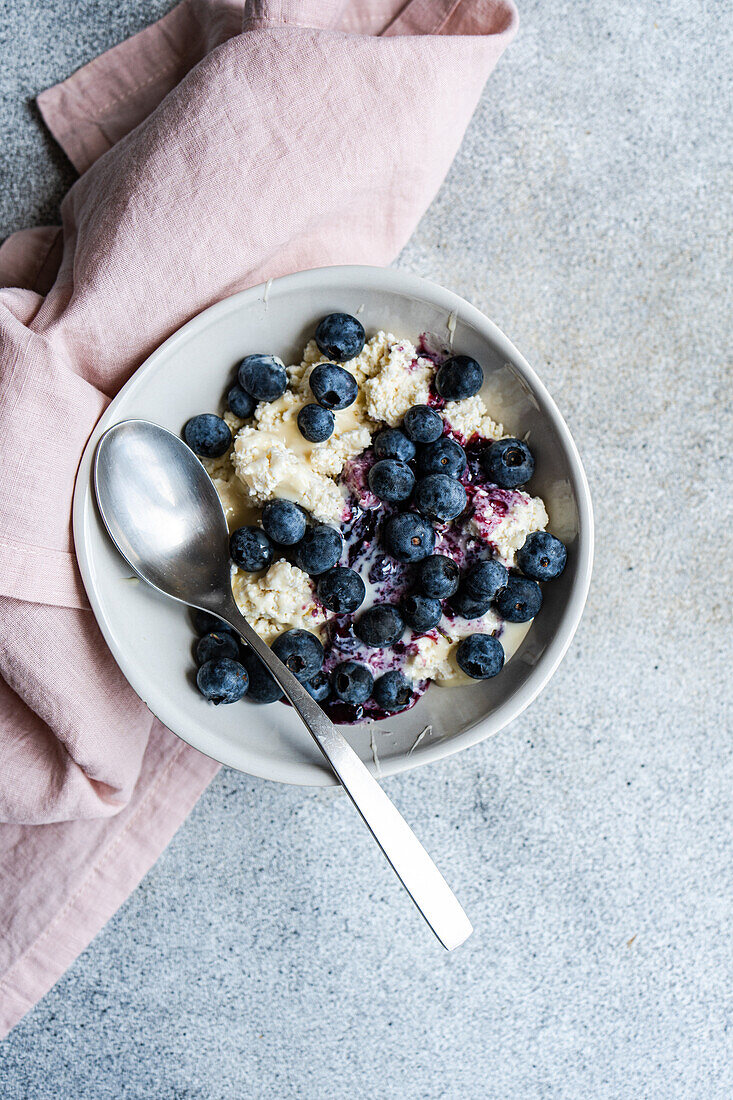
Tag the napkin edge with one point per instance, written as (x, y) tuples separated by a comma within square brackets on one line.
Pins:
[(108, 883)]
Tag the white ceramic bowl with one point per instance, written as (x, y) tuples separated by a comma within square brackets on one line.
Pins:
[(151, 637)]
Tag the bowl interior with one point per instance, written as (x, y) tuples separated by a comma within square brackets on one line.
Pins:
[(151, 637)]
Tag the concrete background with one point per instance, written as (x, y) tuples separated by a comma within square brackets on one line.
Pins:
[(270, 953)]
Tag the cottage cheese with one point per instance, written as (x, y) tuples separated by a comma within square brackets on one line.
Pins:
[(280, 599), (374, 356), (506, 532), (390, 373), (352, 432), (269, 469), (431, 659), (274, 460), (402, 381), (434, 655), (470, 417)]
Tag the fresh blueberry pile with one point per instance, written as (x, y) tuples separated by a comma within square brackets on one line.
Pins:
[(419, 475), (227, 669), (262, 377)]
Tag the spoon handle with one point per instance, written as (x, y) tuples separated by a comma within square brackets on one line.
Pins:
[(414, 867)]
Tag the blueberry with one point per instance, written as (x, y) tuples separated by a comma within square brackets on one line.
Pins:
[(315, 423), (438, 576), (423, 424), (333, 387), (300, 651), (480, 656), (421, 613), (208, 435), (440, 497), (341, 590), (392, 443), (542, 557), (319, 549), (222, 680), (380, 625), (263, 377), (263, 687), (215, 645), (352, 682), (469, 607), (204, 623), (284, 522), (250, 549), (409, 537), (391, 480), (445, 456), (520, 600), (484, 579), (392, 692), (459, 377), (508, 463), (319, 687), (340, 336), (241, 403)]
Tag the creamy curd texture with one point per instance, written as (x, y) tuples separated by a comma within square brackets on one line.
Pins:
[(470, 417), (280, 599), (433, 655), (271, 460), (505, 523), (269, 469)]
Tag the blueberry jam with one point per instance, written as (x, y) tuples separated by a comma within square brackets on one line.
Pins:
[(387, 581)]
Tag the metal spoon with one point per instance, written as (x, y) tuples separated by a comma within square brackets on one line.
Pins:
[(164, 516)]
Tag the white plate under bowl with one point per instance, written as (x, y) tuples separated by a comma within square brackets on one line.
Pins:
[(151, 637)]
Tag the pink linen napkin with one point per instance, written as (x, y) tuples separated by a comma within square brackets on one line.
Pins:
[(226, 144)]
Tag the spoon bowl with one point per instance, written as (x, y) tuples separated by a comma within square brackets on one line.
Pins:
[(162, 511)]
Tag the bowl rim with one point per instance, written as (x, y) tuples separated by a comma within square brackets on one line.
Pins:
[(400, 282)]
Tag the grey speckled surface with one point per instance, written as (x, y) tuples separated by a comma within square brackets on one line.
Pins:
[(269, 953)]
